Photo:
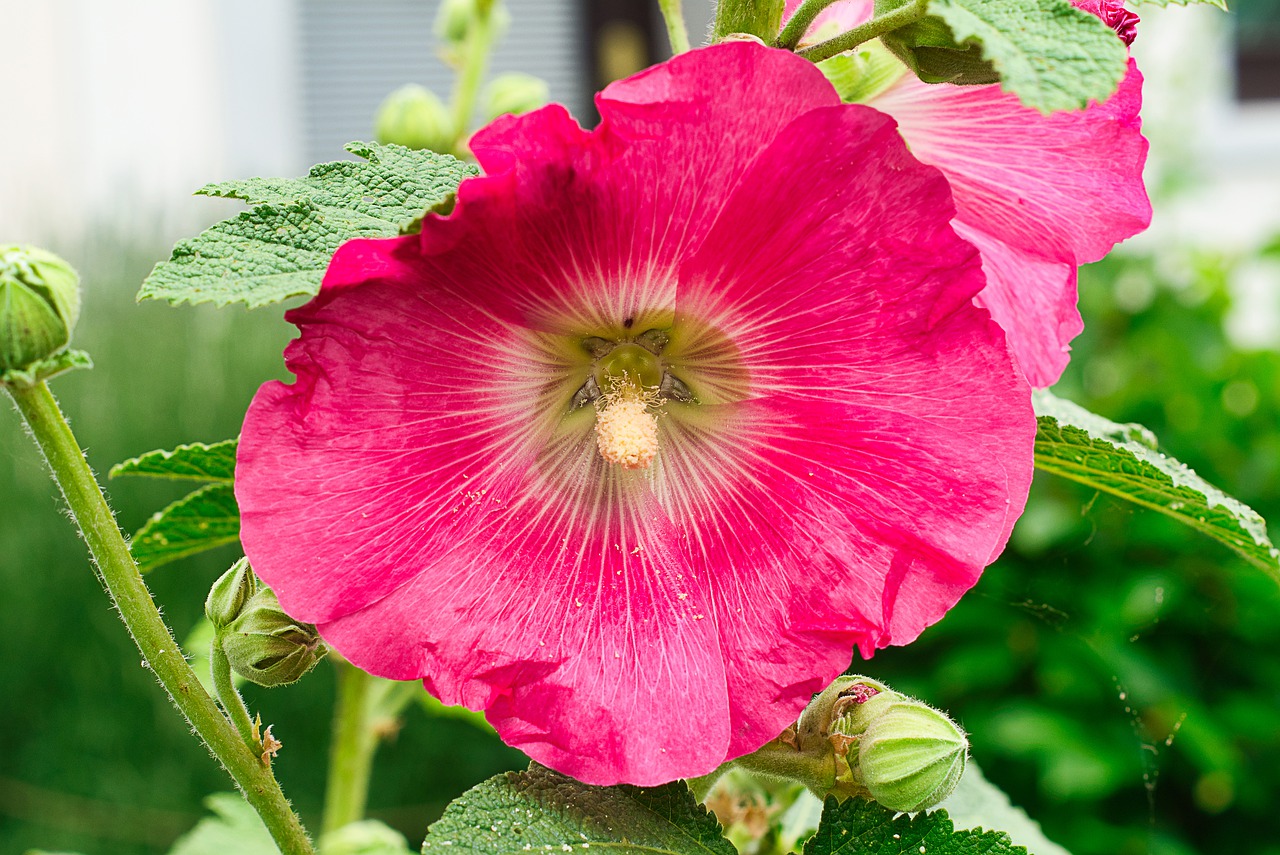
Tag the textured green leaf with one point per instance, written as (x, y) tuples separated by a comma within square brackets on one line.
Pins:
[(1123, 460), (541, 810), (281, 248), (199, 521), (366, 837), (859, 827), (197, 461), (234, 828), (1052, 55), (978, 803)]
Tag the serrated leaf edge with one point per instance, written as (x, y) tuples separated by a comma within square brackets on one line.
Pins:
[(125, 467)]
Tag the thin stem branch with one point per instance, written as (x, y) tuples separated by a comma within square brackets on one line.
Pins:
[(701, 787), (798, 24), (816, 770), (677, 32), (118, 572), (351, 752), (225, 691), (872, 29), (475, 60)]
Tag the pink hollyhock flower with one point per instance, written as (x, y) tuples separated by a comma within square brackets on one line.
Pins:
[(1037, 195), (631, 449)]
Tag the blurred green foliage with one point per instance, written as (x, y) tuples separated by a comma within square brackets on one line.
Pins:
[(1117, 672), (92, 756)]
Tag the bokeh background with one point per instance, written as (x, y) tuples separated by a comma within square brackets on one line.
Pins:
[(1119, 674)]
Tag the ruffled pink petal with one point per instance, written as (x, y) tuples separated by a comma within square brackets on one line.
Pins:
[(1066, 186), (1048, 192), (1034, 300), (663, 147)]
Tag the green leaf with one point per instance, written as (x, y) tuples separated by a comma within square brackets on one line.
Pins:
[(282, 247), (978, 803), (542, 810), (1123, 460), (196, 461), (205, 519), (366, 837), (1052, 55), (233, 828), (858, 827)]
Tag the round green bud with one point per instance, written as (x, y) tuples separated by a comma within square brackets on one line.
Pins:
[(229, 594), (911, 756), (453, 19), (416, 118), (266, 646), (514, 93), (39, 305)]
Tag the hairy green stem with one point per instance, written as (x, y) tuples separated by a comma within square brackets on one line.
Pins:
[(798, 24), (872, 29), (677, 32), (701, 787), (228, 697), (475, 60), (118, 572), (352, 749), (817, 771), (759, 18)]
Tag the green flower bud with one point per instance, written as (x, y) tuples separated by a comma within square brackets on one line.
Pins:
[(929, 48), (266, 646), (415, 117), (911, 756), (838, 709), (514, 93), (229, 594), (453, 20), (39, 306)]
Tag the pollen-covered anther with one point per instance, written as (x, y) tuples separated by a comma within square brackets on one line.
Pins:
[(626, 429)]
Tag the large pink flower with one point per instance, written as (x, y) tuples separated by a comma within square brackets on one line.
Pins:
[(1037, 195), (636, 445)]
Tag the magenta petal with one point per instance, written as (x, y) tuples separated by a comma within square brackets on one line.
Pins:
[(889, 430), (1034, 300), (382, 436), (662, 146), (1066, 186), (1039, 194)]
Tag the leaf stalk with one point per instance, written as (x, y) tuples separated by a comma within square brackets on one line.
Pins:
[(677, 31), (873, 29), (798, 24)]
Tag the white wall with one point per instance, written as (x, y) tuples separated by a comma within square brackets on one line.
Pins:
[(116, 111)]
